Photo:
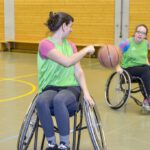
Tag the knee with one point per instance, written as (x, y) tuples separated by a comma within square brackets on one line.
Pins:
[(146, 74), (57, 101), (41, 101)]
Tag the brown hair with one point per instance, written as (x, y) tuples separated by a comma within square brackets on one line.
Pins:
[(142, 25), (55, 20)]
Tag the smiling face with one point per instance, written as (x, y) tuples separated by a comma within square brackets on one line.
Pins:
[(140, 34)]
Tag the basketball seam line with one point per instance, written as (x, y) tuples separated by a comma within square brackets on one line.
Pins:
[(109, 56)]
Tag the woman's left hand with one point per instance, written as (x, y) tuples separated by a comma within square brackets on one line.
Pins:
[(89, 99)]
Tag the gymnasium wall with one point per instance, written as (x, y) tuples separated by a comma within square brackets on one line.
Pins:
[(1, 20), (94, 20), (139, 13)]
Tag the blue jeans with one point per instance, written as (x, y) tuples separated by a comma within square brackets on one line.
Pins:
[(60, 102)]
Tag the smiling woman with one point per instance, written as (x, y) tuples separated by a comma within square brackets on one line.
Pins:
[(135, 59), (33, 88)]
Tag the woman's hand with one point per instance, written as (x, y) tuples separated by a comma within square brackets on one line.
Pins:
[(89, 99), (119, 69), (90, 49)]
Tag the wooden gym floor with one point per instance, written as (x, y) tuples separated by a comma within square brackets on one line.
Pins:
[(125, 129)]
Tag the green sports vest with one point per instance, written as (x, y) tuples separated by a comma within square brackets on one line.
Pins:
[(54, 74), (136, 55)]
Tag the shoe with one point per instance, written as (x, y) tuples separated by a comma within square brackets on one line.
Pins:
[(146, 104), (62, 146), (52, 147)]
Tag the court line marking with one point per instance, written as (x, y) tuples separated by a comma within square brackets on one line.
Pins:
[(24, 76), (14, 98), (33, 88), (18, 77), (8, 138)]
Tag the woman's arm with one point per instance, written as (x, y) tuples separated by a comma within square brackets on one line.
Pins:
[(123, 46), (147, 61), (119, 69), (148, 47), (58, 57), (148, 44), (81, 79)]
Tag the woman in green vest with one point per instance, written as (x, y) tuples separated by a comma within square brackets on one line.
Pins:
[(135, 59), (60, 79)]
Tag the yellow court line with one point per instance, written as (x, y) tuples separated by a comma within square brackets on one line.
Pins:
[(22, 95), (1, 79)]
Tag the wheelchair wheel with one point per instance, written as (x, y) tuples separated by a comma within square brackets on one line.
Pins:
[(28, 127), (94, 126), (118, 89)]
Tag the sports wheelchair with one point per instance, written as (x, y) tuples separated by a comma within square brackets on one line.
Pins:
[(31, 125), (120, 87)]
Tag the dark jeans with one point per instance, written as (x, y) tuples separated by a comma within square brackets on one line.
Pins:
[(60, 102), (144, 73)]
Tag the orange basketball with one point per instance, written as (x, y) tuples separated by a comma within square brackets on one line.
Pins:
[(109, 56)]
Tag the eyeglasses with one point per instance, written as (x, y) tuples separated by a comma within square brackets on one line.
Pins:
[(140, 32)]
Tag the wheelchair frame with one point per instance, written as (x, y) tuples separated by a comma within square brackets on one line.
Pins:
[(30, 127), (124, 86), (95, 129), (28, 122)]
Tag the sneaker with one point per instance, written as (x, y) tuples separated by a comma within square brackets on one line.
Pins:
[(52, 147), (62, 146), (146, 104)]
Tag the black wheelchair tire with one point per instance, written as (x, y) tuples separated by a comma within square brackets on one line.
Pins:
[(126, 93), (21, 144)]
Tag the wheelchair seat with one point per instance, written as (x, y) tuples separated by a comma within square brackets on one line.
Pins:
[(31, 126), (119, 88)]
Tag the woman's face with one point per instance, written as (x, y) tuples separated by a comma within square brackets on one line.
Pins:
[(140, 34), (67, 29)]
